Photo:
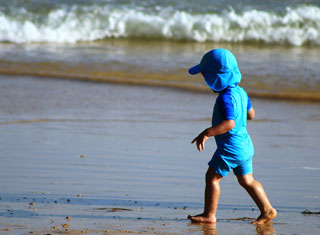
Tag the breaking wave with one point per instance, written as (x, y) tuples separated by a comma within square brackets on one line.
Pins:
[(295, 26)]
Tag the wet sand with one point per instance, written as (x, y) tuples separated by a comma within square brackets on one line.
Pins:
[(118, 159), (272, 71)]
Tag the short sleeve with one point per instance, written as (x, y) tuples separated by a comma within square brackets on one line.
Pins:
[(249, 104), (226, 108)]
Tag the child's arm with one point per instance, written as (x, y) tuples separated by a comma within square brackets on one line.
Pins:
[(219, 129), (251, 114)]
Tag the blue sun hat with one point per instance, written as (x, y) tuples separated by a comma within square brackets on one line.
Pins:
[(219, 68)]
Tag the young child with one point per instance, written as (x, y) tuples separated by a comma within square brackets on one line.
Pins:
[(234, 147)]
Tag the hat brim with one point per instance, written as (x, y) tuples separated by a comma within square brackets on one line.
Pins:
[(195, 69)]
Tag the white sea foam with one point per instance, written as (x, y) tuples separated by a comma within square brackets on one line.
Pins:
[(70, 25)]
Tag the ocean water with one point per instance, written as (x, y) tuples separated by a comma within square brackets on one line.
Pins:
[(155, 42), (285, 22)]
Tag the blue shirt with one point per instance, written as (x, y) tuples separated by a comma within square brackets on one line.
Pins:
[(233, 104)]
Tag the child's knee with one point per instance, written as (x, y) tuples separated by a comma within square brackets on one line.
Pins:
[(209, 178), (243, 183), (245, 180), (212, 177)]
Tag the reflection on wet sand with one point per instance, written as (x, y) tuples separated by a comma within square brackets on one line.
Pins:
[(265, 229), (209, 229)]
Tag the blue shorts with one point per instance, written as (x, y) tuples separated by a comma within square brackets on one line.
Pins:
[(222, 163)]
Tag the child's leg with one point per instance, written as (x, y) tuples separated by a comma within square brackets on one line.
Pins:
[(211, 197), (256, 191)]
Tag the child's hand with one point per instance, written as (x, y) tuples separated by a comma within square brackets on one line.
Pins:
[(200, 140)]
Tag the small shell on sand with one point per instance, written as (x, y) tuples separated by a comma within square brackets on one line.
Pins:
[(65, 225), (82, 156), (68, 218)]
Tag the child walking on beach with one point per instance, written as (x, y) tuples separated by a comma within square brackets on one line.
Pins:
[(234, 147)]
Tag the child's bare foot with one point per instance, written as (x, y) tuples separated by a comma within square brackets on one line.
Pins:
[(265, 218), (202, 218)]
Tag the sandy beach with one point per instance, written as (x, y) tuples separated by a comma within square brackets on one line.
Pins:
[(85, 157), (97, 112)]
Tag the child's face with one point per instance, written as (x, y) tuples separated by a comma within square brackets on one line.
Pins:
[(211, 89)]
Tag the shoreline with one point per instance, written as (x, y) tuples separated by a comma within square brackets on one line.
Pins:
[(183, 85), (272, 72)]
